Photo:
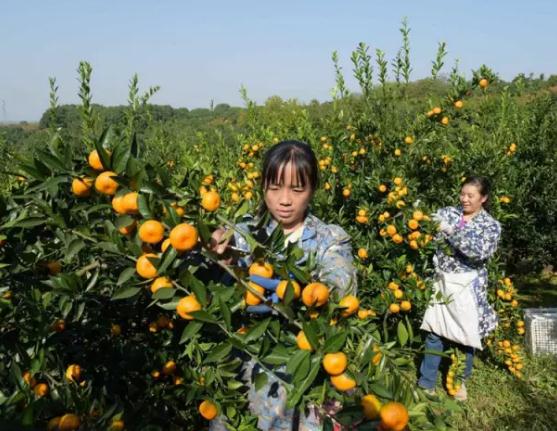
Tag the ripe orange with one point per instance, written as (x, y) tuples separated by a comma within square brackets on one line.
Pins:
[(397, 181), (118, 204), (382, 188), (54, 267), (41, 389), (413, 224), (262, 269), (251, 298), (129, 203), (165, 244), (418, 215), (183, 237), (117, 425), (302, 341), (281, 288), (362, 253), (105, 184), (59, 325), (159, 283), (210, 200), (335, 363), (169, 368), (208, 410), (53, 423), (145, 267), (371, 406), (95, 161), (151, 231), (391, 229), (397, 239), (393, 286), (445, 121), (394, 416), (484, 83), (315, 295), (394, 308), (351, 303), (398, 293), (458, 104), (69, 422), (405, 305), (343, 382), (126, 230), (413, 244), (115, 330), (409, 140), (436, 110), (81, 187), (187, 305), (73, 373)]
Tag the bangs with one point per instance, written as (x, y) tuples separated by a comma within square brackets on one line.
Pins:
[(299, 155)]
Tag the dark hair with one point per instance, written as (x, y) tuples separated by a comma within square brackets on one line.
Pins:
[(483, 185), (303, 161)]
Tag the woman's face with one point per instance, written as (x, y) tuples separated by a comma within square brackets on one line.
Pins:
[(471, 199), (287, 199)]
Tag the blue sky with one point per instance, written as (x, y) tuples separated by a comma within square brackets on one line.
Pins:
[(203, 51)]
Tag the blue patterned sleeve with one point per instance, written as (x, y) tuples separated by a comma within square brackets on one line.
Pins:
[(335, 267), (476, 243)]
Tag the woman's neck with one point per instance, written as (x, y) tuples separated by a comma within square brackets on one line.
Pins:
[(470, 215)]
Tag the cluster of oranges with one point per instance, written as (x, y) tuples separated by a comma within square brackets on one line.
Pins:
[(512, 356), (398, 294), (436, 114), (169, 370), (393, 415), (453, 380), (415, 237), (511, 149), (506, 291)]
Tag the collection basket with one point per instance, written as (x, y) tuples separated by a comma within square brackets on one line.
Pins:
[(541, 330)]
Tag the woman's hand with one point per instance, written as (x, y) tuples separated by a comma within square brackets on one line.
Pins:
[(218, 244)]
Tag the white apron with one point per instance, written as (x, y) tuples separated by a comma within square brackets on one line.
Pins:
[(453, 312)]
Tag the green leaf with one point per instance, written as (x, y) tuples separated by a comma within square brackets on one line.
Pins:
[(120, 157), (303, 386), (125, 275), (143, 206), (218, 353), (335, 343), (296, 360), (74, 248), (302, 369), (190, 330), (197, 287), (310, 331), (168, 257), (104, 141), (260, 380), (402, 333), (257, 331), (278, 356), (225, 311), (380, 390), (203, 316), (123, 221), (164, 293), (125, 293), (30, 222)]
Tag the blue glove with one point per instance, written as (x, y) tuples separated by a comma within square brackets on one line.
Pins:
[(269, 284)]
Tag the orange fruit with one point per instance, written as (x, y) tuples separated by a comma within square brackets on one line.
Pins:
[(413, 224), (391, 229), (405, 305), (59, 325), (69, 422), (208, 410), (418, 215), (346, 193), (376, 358), (81, 187), (187, 305), (115, 330), (458, 104), (151, 231), (281, 288), (54, 267), (394, 416), (118, 204), (351, 304), (145, 267), (335, 363), (382, 188), (483, 83), (397, 239), (251, 298), (394, 308), (445, 121), (413, 244), (362, 253), (180, 211), (183, 237), (159, 283), (315, 295), (371, 406), (436, 110), (129, 203), (165, 244), (41, 389), (95, 161), (73, 373), (169, 368), (393, 286), (302, 341), (105, 184), (210, 200), (343, 382), (398, 293), (261, 269), (29, 379), (409, 140), (117, 425), (126, 230)]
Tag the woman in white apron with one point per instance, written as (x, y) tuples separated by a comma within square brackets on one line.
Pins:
[(459, 311)]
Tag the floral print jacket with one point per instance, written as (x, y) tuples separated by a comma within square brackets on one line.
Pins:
[(468, 248)]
